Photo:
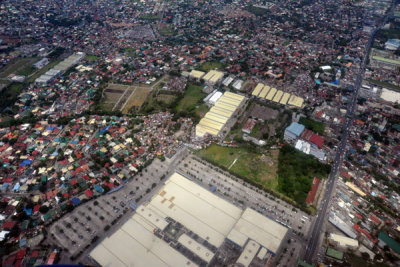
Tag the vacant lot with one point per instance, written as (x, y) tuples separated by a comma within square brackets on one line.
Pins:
[(113, 95), (260, 168), (211, 65), (17, 65), (136, 99), (192, 99), (167, 30)]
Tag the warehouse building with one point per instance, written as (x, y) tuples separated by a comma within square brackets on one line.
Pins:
[(60, 68), (185, 224), (197, 75), (278, 96), (215, 120), (272, 94), (213, 77), (293, 131), (258, 89)]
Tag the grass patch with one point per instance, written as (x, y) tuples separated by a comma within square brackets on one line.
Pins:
[(252, 165), (257, 128), (10, 94), (211, 65), (258, 11), (92, 57), (167, 30), (192, 99), (385, 84), (356, 261), (28, 70), (296, 171), (151, 17), (16, 65), (315, 126)]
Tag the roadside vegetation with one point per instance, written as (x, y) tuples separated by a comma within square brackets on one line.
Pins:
[(296, 170), (315, 126)]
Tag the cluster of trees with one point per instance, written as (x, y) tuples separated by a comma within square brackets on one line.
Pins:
[(315, 126), (296, 171)]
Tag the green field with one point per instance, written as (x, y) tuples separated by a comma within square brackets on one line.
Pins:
[(253, 166), (167, 30), (28, 70), (296, 170), (10, 94), (192, 100), (211, 65), (385, 84), (92, 57), (17, 65)]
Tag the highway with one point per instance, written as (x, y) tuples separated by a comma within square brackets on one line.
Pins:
[(316, 232)]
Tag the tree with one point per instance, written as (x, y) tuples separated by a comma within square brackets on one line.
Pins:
[(43, 209)]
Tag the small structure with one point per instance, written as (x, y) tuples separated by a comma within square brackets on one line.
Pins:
[(249, 125), (314, 188)]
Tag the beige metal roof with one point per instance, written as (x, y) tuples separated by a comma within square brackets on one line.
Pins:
[(216, 77), (209, 75), (204, 213), (271, 94), (229, 101), (134, 245), (195, 247), (232, 99), (197, 74), (152, 217), (221, 112), (285, 98), (261, 229), (263, 252), (264, 91), (248, 253), (295, 101), (222, 105), (344, 240), (210, 123), (216, 118), (258, 89), (278, 96), (203, 130), (235, 96)]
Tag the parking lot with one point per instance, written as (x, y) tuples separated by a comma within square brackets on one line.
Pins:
[(245, 195), (90, 222)]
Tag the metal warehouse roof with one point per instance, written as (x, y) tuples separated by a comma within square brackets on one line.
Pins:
[(221, 111), (295, 128), (278, 96), (271, 94), (196, 74), (258, 89), (196, 248), (264, 91), (216, 118), (259, 228), (285, 98)]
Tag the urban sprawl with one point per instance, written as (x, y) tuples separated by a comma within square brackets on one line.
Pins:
[(200, 133)]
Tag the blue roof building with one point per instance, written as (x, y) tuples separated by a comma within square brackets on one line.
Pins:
[(293, 131)]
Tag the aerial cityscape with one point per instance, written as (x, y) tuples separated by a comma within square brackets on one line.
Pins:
[(200, 133)]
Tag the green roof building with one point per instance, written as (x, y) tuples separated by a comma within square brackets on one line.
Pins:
[(385, 239), (333, 253)]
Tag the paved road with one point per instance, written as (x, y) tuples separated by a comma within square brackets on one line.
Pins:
[(320, 220)]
